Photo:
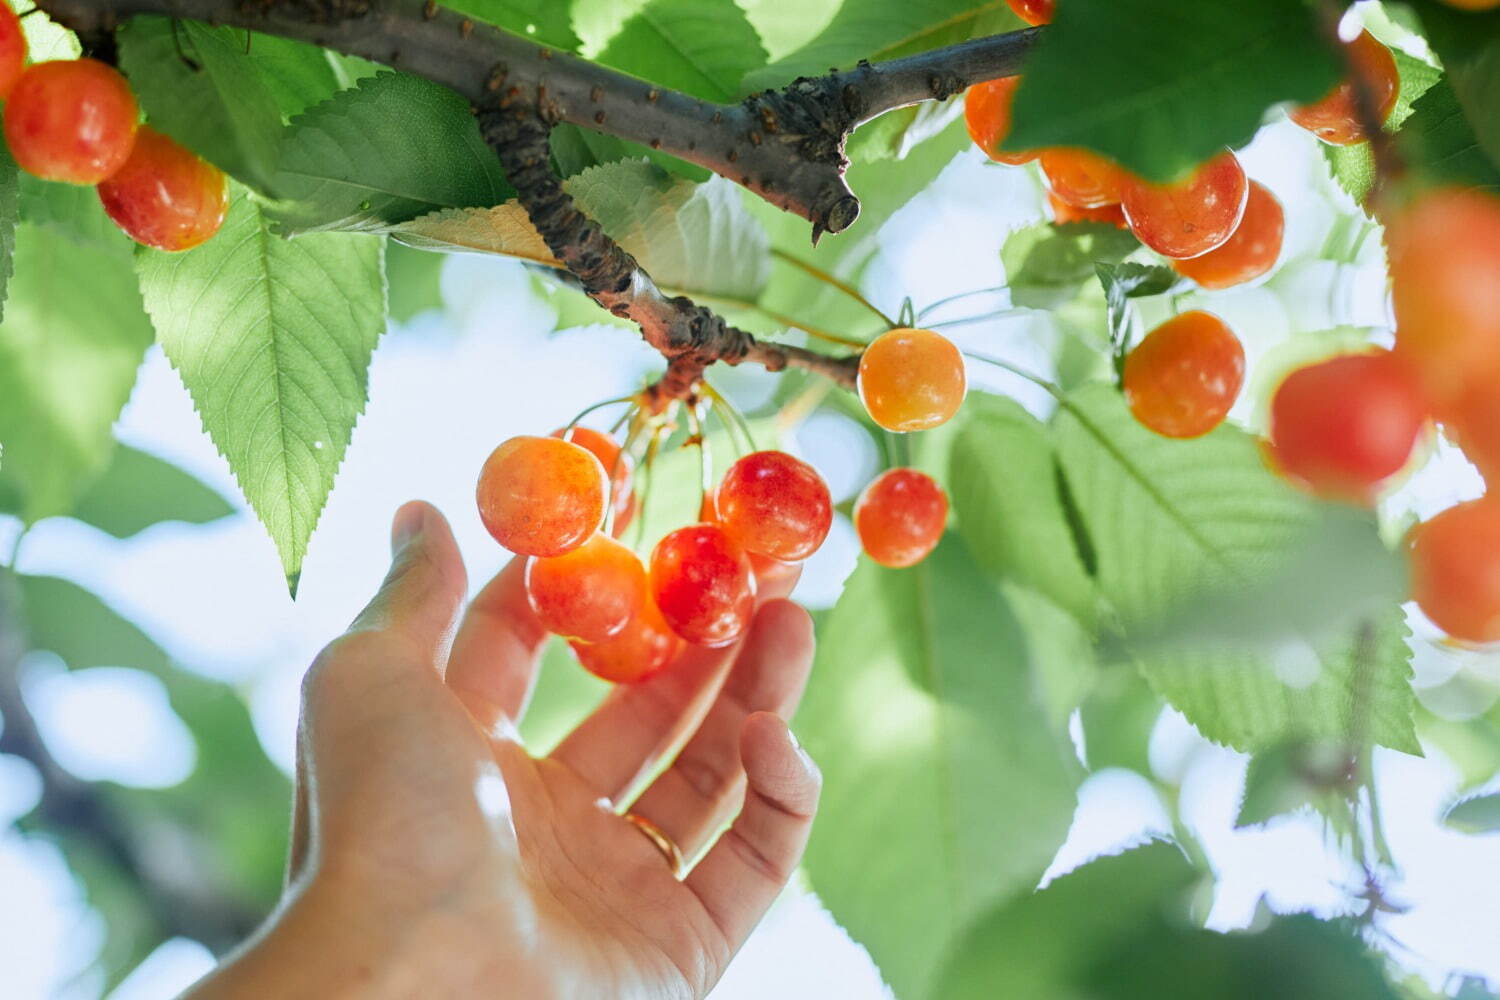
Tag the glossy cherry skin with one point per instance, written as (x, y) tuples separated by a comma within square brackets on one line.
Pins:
[(617, 464), (704, 585), (1191, 216), (987, 114), (1455, 565), (1444, 258), (774, 505), (1335, 118), (165, 195), (1249, 253), (911, 380), (12, 50), (1063, 213), (900, 517), (1081, 178), (71, 120), (588, 594), (1341, 428), (541, 496), (1184, 376), (645, 646), (1034, 11)]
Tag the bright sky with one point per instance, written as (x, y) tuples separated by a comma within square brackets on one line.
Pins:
[(445, 389)]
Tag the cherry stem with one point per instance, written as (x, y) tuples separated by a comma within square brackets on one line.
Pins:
[(699, 438), (590, 409), (731, 417), (829, 279), (647, 478), (932, 306)]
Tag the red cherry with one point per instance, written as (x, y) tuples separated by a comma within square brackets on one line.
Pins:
[(588, 594), (1182, 379), (911, 380), (12, 50), (1473, 422), (1034, 11), (1062, 212), (703, 584), (1342, 427), (165, 196), (1455, 563), (71, 121), (900, 517), (644, 647), (1191, 216), (541, 496), (774, 505), (1081, 178), (1335, 117), (987, 114), (617, 464), (772, 576), (1246, 255)]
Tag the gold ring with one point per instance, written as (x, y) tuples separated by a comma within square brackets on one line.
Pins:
[(665, 844)]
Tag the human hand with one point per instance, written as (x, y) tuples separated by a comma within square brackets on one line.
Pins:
[(432, 856)]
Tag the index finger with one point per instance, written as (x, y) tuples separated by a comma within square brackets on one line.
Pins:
[(497, 650)]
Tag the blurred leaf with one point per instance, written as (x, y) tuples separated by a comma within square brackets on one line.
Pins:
[(545, 21), (1047, 264), (1468, 43), (1440, 144), (73, 336), (413, 280), (71, 210), (10, 216), (1118, 717), (1173, 520), (138, 490), (1121, 283), (1478, 814), (1109, 76), (273, 340), (1353, 166), (384, 152), (701, 47), (923, 713), (1292, 776)]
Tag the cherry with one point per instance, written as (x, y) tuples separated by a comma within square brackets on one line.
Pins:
[(1445, 255), (1335, 118), (590, 593), (165, 196), (774, 505), (1181, 380), (12, 50), (72, 120), (1455, 563), (1246, 255), (1081, 178), (900, 517), (703, 583), (617, 464), (541, 496), (987, 113), (644, 647), (1191, 216), (911, 380), (1473, 422), (1342, 427), (1034, 11), (1062, 212), (772, 576)]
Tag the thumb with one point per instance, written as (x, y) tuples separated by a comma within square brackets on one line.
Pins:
[(420, 598)]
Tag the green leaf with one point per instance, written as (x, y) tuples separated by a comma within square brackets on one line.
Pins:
[(1118, 718), (138, 490), (384, 152), (10, 215), (1161, 87), (1004, 481), (692, 238), (297, 74), (545, 21), (74, 211), (701, 47), (1047, 264), (1477, 814), (1468, 43), (73, 336), (273, 340), (225, 111), (45, 38), (413, 280), (923, 713), (1290, 777), (1172, 521), (1353, 166), (1440, 144), (1121, 283)]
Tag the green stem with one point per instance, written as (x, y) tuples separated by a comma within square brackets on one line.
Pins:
[(839, 283)]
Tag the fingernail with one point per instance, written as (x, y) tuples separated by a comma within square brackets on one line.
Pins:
[(407, 524)]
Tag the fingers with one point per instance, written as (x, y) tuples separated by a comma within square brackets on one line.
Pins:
[(419, 600), (741, 876), (495, 655), (691, 799)]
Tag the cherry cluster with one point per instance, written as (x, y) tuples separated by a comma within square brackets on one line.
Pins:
[(76, 121)]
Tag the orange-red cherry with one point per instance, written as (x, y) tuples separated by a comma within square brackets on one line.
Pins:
[(540, 496), (645, 646), (12, 50), (619, 466), (1249, 253), (911, 380), (71, 120), (1455, 568), (165, 195), (987, 114), (1472, 420), (1034, 11), (1062, 213), (900, 517), (1081, 178), (1335, 117), (1182, 379), (703, 584), (590, 593), (774, 505), (1341, 428), (1190, 216)]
